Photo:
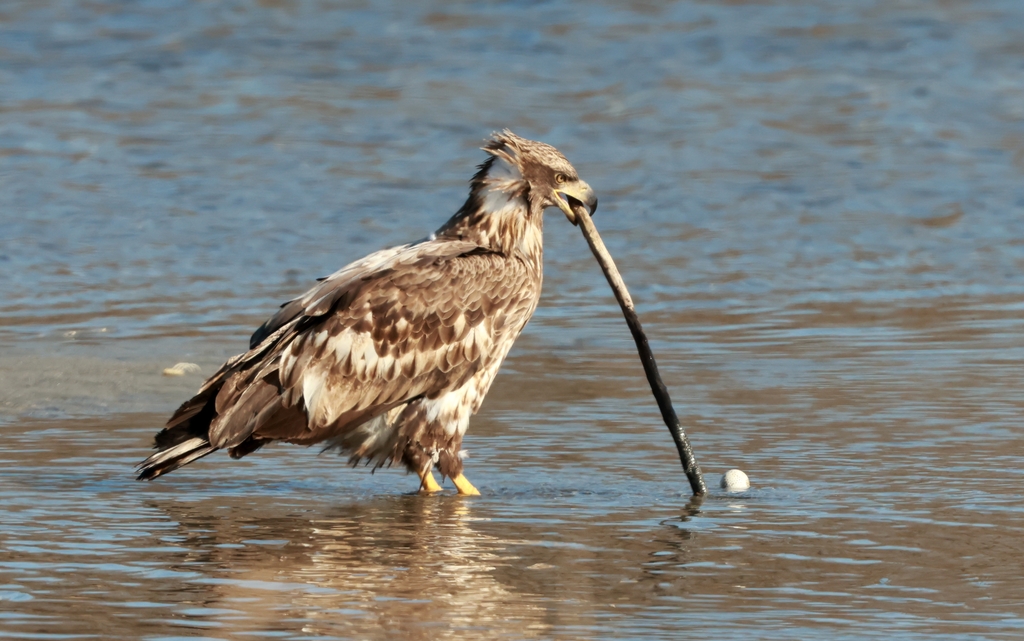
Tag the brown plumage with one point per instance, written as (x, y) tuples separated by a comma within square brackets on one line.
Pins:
[(388, 358)]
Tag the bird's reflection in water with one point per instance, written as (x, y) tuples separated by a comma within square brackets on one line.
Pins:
[(403, 565)]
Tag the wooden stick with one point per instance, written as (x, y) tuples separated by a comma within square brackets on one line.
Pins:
[(668, 413)]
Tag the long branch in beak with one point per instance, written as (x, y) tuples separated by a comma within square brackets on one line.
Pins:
[(575, 194)]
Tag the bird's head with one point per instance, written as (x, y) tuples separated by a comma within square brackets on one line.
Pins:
[(541, 171)]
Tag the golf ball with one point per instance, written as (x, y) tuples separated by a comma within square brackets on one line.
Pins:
[(735, 481)]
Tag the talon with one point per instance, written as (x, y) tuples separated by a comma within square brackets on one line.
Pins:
[(428, 484), (465, 487)]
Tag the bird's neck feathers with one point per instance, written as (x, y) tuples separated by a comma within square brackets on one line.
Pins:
[(498, 214)]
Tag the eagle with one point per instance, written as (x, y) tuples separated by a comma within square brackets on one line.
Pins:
[(388, 358)]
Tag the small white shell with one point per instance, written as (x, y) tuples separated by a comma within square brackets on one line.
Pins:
[(735, 481), (181, 369)]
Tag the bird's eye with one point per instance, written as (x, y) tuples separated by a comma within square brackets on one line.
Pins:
[(561, 178)]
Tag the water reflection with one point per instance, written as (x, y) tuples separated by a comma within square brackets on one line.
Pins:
[(415, 566), (402, 565)]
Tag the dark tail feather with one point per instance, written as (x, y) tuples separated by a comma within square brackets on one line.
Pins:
[(174, 457), (185, 439), (190, 420)]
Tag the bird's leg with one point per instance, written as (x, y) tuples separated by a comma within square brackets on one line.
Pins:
[(428, 484), (465, 487)]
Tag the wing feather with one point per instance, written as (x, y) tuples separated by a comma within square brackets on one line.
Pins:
[(414, 325), (326, 295), (404, 323)]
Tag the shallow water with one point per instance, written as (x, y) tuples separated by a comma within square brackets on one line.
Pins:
[(818, 207)]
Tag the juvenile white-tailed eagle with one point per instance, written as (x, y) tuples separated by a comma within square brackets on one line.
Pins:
[(388, 358)]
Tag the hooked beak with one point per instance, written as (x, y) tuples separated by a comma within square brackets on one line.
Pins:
[(573, 195)]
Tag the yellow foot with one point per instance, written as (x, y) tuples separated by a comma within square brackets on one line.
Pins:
[(428, 484), (465, 487)]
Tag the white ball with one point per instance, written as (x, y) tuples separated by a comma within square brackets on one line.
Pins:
[(735, 481)]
